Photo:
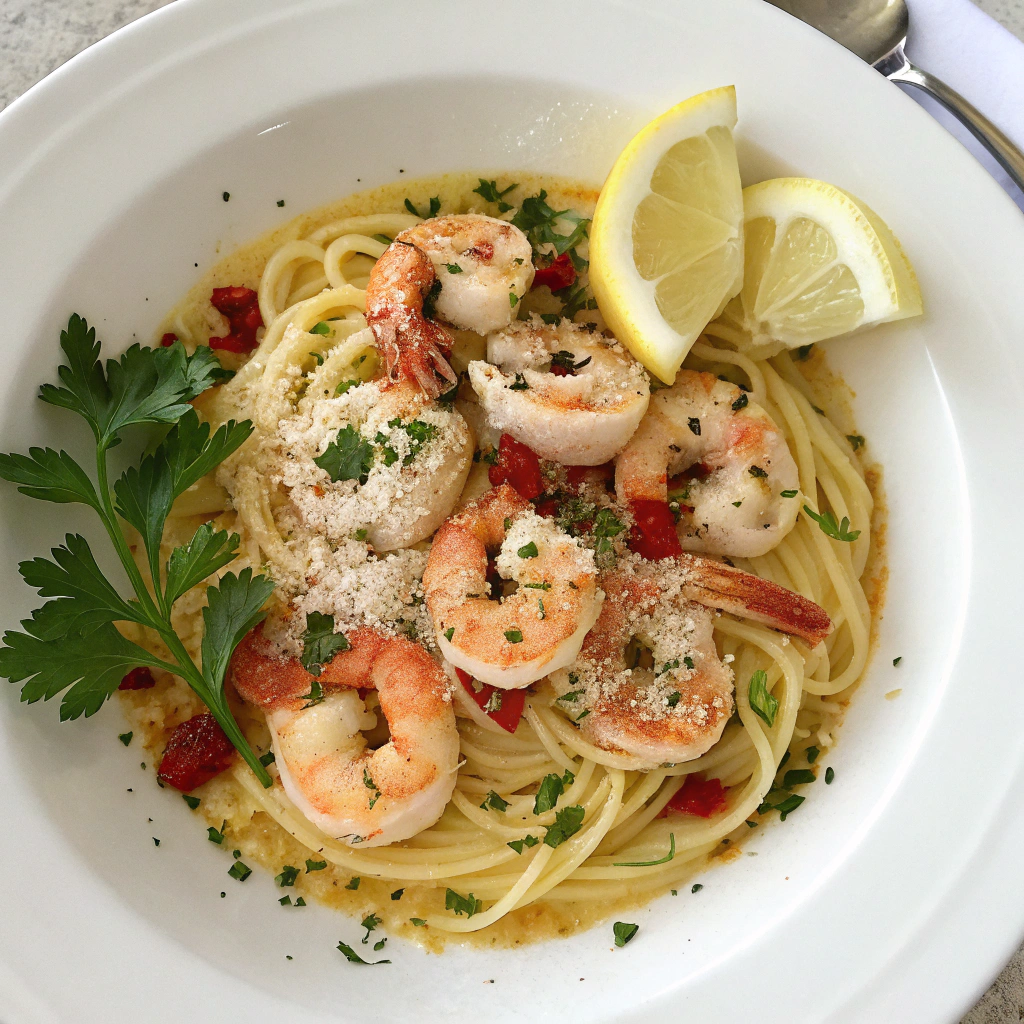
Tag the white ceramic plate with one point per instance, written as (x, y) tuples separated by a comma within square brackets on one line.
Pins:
[(894, 895)]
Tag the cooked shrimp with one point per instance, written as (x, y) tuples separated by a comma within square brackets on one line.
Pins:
[(572, 395), (517, 639), (367, 797), (481, 268), (672, 711), (675, 708), (734, 503)]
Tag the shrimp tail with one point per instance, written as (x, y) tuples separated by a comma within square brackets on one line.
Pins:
[(412, 346), (716, 585)]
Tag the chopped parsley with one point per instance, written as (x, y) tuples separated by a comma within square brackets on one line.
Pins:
[(354, 883), (225, 196), (240, 871), (216, 835), (315, 865), (572, 695), (798, 777), (344, 386), (694, 424), (567, 361), (837, 531), (348, 457), (811, 753), (513, 299), (673, 699), (519, 384), (624, 932), (696, 887), (321, 328), (370, 923), (453, 268), (551, 788), (804, 351), (606, 526), (192, 801), (528, 550), (285, 901), (856, 441), (829, 775), (350, 954), (468, 905), (895, 662), (432, 210), (156, 842), (514, 636), (537, 220), (280, 202), (287, 876), (449, 633), (398, 894), (740, 403), (315, 696), (375, 793), (790, 804), (489, 192), (758, 472), (574, 298), (494, 802), (518, 844), (537, 586), (568, 821), (788, 494), (762, 703), (125, 737), (417, 921), (650, 863), (320, 643), (267, 759)]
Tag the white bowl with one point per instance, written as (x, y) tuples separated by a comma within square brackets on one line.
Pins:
[(894, 894)]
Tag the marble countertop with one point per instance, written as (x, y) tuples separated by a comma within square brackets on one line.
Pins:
[(37, 36)]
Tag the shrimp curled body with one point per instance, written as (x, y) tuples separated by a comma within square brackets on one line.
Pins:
[(524, 636), (474, 268), (366, 797), (734, 506), (572, 395)]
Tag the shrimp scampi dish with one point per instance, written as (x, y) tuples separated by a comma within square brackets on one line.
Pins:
[(514, 632)]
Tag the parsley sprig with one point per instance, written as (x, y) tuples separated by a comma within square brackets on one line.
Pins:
[(831, 527), (71, 643)]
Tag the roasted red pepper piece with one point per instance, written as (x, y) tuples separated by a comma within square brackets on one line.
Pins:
[(697, 795), (559, 273), (241, 307), (653, 534), (137, 679), (198, 750), (519, 466), (512, 701), (168, 340), (547, 507)]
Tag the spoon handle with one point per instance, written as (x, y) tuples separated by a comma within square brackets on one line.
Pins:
[(973, 119)]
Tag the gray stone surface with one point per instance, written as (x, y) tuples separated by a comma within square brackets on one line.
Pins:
[(37, 36)]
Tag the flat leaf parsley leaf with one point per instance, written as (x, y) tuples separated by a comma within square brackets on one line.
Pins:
[(762, 703), (70, 645), (320, 643), (489, 192), (836, 530), (348, 457), (468, 905)]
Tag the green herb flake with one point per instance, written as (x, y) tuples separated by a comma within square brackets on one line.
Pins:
[(379, 945), (673, 699), (351, 955), (192, 801), (798, 777), (315, 865), (651, 863), (568, 821), (551, 788), (740, 403), (417, 921), (280, 202), (762, 703), (344, 386), (353, 883), (216, 835), (398, 894), (287, 876), (811, 753), (694, 424), (895, 662), (606, 526), (804, 351), (788, 494), (321, 328), (489, 192), (285, 901), (624, 932), (519, 384), (790, 804), (370, 923), (156, 842), (856, 441), (349, 456), (494, 802), (696, 887), (449, 633), (514, 636), (225, 196), (468, 905), (320, 643), (300, 902), (758, 473), (315, 696), (829, 775), (537, 586), (453, 268), (375, 793), (125, 737), (513, 299), (240, 871), (837, 531), (527, 841), (267, 758), (528, 550)]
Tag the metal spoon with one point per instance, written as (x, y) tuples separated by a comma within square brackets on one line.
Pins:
[(876, 30)]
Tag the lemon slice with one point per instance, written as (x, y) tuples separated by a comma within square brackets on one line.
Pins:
[(818, 263), (666, 243)]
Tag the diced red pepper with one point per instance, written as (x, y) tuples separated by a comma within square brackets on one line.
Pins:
[(653, 534), (168, 340), (559, 273), (512, 701), (519, 466), (698, 796), (137, 679), (560, 371), (241, 307), (198, 750), (547, 507)]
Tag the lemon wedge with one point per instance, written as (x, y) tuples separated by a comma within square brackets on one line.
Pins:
[(818, 263), (666, 242)]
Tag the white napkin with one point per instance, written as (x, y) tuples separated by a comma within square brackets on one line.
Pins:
[(974, 54)]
